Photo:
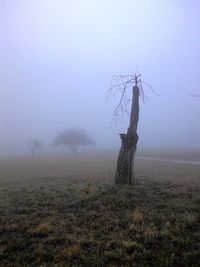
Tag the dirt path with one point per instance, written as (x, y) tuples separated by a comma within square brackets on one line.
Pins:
[(176, 161)]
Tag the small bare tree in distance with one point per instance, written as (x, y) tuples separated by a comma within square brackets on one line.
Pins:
[(121, 83), (34, 145), (73, 138)]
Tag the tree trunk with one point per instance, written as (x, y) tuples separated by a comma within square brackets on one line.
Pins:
[(124, 171), (74, 149)]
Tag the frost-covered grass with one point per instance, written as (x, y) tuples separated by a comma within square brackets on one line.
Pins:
[(66, 211)]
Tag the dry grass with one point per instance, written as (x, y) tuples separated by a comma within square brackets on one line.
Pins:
[(43, 228), (70, 251), (71, 214), (137, 216)]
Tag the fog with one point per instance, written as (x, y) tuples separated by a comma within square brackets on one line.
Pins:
[(58, 57)]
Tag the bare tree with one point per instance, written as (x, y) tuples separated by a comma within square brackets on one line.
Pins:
[(125, 163), (73, 138), (34, 144)]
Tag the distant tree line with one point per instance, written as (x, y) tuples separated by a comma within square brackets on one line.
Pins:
[(71, 138)]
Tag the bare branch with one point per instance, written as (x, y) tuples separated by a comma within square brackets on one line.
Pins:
[(121, 84), (150, 88)]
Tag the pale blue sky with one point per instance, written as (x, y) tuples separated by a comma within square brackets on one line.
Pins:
[(58, 56)]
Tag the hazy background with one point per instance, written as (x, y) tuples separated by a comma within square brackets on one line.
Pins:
[(57, 58)]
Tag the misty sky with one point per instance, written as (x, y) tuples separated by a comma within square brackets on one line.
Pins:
[(57, 58)]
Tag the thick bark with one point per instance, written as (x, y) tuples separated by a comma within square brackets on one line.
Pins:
[(124, 171)]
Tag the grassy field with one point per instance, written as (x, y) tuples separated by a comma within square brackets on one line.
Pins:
[(66, 211)]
